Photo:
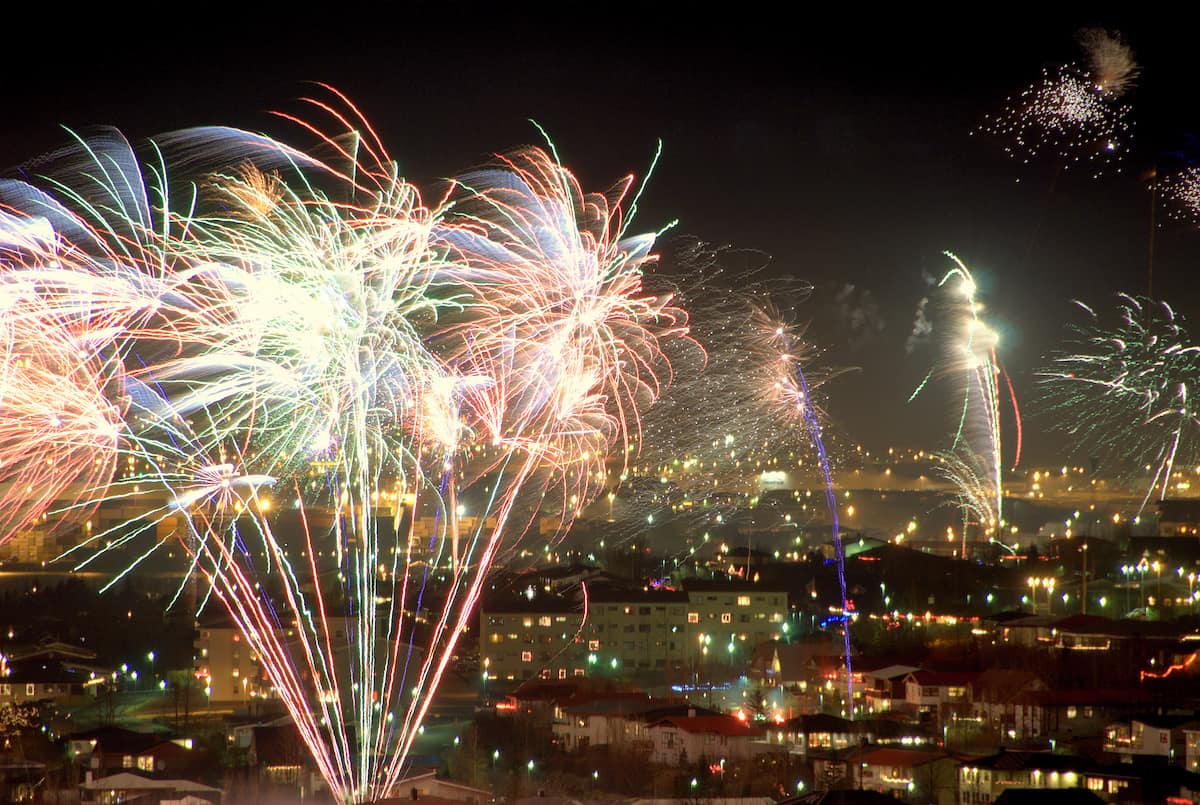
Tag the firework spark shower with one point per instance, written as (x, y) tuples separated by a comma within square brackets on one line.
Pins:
[(237, 327)]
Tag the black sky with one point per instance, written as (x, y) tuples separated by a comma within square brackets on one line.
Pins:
[(838, 147)]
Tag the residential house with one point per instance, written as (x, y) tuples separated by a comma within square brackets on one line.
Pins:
[(999, 702), (126, 786), (908, 774), (984, 779), (936, 696), (110, 750), (884, 689), (1077, 714), (815, 731), (600, 721), (679, 740), (427, 787), (20, 778), (1149, 737)]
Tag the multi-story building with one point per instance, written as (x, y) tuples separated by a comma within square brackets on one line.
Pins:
[(524, 638), (224, 663), (644, 632)]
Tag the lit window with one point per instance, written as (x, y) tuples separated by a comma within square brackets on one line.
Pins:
[(726, 617), (593, 645), (527, 622), (578, 672), (145, 763), (526, 656), (544, 620), (743, 600), (496, 637), (693, 617), (562, 673)]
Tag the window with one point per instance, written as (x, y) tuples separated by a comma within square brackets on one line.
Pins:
[(560, 618), (145, 762), (526, 656), (578, 672), (743, 600), (5, 690), (643, 627), (127, 762), (544, 620), (496, 637), (527, 622), (643, 610), (1072, 712), (593, 645), (31, 689), (693, 617), (562, 673), (726, 617)]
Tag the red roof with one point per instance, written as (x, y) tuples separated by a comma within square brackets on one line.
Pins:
[(721, 725), (902, 758)]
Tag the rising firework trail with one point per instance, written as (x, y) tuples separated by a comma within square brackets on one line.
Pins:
[(974, 461)]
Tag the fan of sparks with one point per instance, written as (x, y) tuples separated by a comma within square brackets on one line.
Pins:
[(733, 409), (1122, 387), (342, 402)]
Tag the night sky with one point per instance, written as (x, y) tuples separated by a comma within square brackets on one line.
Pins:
[(839, 149)]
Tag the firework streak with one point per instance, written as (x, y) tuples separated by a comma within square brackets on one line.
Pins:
[(974, 461), (217, 327), (1123, 390)]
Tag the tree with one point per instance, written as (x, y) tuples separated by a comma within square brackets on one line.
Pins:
[(14, 719)]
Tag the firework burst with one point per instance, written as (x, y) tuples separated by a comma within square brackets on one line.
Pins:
[(309, 329), (1073, 115)]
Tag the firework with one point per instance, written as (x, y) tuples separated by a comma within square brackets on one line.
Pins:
[(728, 420), (60, 411), (307, 334), (974, 461), (1073, 114), (1122, 387), (1181, 195), (1113, 67)]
